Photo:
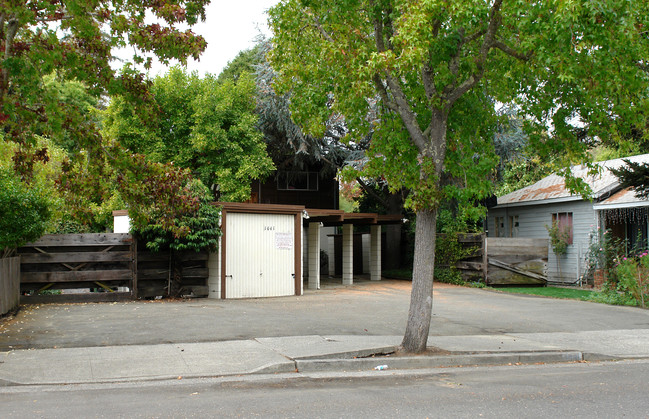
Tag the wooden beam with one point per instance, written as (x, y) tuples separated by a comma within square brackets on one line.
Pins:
[(516, 246), (74, 276), (76, 257), (88, 239)]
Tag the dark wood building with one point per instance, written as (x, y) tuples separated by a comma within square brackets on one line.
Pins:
[(312, 188)]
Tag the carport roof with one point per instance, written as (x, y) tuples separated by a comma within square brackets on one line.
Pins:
[(328, 217)]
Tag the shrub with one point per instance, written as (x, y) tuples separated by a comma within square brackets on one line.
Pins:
[(633, 278), (603, 252), (610, 295), (24, 213), (448, 252), (449, 276), (196, 231), (559, 238)]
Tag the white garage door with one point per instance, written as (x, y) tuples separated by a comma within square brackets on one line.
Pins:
[(260, 255)]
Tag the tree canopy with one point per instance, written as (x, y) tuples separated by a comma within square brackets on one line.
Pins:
[(634, 175), (75, 40), (205, 126), (424, 77)]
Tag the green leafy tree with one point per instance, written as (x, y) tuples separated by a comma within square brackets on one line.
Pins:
[(75, 40), (57, 62), (202, 125), (433, 70), (245, 62)]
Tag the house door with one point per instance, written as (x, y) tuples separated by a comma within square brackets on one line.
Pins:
[(259, 255)]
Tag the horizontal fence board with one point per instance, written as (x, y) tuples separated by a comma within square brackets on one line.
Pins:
[(87, 239), (191, 256), (148, 256), (163, 274), (77, 257), (196, 273), (515, 246), (152, 274), (75, 276), (82, 260), (35, 286), (503, 277)]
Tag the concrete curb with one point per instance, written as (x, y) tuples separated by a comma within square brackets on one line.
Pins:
[(361, 353), (292, 368), (423, 362)]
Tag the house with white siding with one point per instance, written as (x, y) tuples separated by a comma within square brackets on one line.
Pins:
[(528, 212)]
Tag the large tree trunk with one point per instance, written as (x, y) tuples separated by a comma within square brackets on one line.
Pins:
[(421, 298)]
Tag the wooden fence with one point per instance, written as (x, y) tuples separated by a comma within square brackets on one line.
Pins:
[(175, 273), (101, 261), (473, 266), (112, 265), (9, 284), (503, 261), (517, 261)]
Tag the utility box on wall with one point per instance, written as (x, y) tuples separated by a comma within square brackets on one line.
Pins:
[(260, 253)]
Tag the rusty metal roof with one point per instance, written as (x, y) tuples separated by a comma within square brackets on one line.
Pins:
[(552, 188), (622, 199)]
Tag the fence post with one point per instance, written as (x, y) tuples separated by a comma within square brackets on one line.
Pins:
[(134, 267), (485, 258), (9, 284)]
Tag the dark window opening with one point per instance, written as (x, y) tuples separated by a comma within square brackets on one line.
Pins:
[(564, 222), (297, 181)]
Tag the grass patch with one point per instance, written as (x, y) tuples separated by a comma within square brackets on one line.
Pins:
[(553, 292)]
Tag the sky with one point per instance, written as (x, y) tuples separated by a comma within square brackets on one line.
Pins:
[(230, 26)]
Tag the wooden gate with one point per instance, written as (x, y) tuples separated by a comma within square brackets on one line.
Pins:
[(503, 260), (96, 261), (517, 261)]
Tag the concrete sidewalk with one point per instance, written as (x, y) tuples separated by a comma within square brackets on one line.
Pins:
[(334, 330), (306, 354)]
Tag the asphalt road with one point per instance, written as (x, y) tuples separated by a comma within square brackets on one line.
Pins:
[(366, 308), (583, 390)]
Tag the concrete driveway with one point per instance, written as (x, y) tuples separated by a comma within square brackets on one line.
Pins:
[(364, 309)]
